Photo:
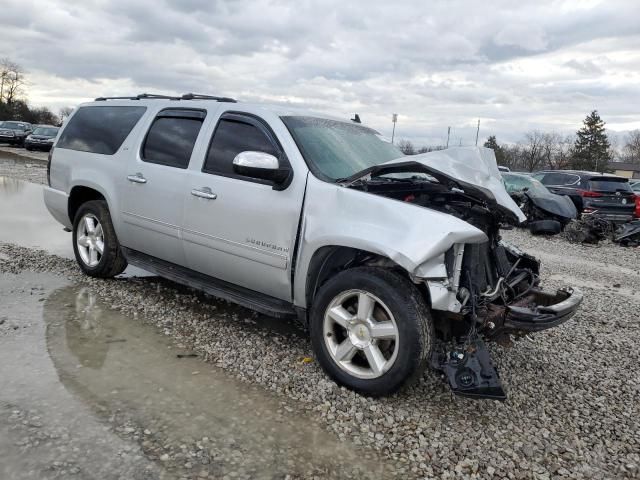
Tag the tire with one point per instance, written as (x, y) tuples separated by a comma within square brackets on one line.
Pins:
[(545, 227), (111, 261), (405, 356), (28, 148)]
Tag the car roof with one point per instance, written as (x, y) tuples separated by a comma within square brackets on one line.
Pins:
[(584, 173), (274, 109)]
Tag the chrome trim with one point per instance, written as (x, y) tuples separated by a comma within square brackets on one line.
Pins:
[(137, 178), (204, 192), (252, 159)]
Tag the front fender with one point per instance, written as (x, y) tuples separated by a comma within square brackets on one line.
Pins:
[(406, 233)]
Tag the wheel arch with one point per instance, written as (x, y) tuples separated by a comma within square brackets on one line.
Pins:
[(80, 194), (329, 260)]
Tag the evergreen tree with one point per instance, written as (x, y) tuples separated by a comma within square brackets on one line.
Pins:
[(592, 150), (492, 143)]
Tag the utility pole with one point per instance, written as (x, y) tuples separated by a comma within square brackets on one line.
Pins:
[(448, 134), (394, 119), (477, 132)]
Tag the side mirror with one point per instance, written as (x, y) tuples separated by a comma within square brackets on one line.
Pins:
[(260, 165)]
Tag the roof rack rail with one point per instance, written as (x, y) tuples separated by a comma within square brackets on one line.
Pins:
[(186, 96), (197, 96)]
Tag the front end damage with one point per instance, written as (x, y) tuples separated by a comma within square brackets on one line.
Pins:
[(479, 292)]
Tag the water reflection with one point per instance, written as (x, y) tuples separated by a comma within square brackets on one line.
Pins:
[(197, 417), (9, 186), (24, 219)]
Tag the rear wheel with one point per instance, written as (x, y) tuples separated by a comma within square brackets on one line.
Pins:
[(371, 330), (95, 243)]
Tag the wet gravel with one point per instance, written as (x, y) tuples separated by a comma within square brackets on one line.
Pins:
[(22, 167), (572, 408)]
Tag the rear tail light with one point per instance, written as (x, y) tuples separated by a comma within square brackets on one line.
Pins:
[(637, 198), (589, 194), (49, 166)]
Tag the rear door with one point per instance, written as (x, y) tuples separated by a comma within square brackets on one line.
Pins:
[(242, 230), (155, 183)]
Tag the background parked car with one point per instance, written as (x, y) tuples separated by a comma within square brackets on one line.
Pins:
[(13, 132), (42, 138), (547, 213), (607, 196), (635, 185)]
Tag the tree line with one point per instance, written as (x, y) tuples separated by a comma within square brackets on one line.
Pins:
[(13, 103), (588, 149)]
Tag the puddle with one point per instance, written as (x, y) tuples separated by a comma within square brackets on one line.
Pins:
[(25, 221), (98, 371)]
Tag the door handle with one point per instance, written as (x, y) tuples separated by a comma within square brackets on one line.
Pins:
[(204, 192), (137, 178)]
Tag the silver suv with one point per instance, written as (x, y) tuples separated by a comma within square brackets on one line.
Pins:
[(393, 263)]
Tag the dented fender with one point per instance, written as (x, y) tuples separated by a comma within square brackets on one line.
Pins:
[(412, 236)]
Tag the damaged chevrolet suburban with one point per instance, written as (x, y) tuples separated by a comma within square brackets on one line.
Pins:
[(393, 263)]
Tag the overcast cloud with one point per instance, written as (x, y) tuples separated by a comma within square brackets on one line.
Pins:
[(515, 66)]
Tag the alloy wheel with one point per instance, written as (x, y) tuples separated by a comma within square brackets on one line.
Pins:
[(361, 334), (90, 240)]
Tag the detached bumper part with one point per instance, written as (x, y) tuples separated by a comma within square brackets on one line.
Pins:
[(470, 372), (539, 310)]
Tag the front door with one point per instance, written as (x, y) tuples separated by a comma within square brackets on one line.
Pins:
[(236, 228), (155, 185)]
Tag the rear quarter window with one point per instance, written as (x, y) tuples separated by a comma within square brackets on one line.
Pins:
[(100, 129)]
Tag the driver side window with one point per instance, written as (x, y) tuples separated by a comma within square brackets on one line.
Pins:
[(232, 136)]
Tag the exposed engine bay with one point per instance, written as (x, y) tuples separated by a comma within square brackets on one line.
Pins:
[(496, 285)]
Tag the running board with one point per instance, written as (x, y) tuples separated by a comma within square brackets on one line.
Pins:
[(265, 304)]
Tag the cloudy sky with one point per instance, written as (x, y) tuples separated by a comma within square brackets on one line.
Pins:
[(515, 65)]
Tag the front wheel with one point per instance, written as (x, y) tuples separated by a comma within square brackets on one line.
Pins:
[(371, 330), (95, 243)]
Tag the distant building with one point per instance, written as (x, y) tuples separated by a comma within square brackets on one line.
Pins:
[(623, 169)]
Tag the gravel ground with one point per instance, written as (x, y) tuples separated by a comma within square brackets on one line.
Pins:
[(572, 409)]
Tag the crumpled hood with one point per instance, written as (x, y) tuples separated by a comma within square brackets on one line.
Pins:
[(559, 205), (474, 165)]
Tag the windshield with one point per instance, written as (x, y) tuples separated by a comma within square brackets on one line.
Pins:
[(46, 131), (339, 149), (610, 185), (516, 183), (14, 126)]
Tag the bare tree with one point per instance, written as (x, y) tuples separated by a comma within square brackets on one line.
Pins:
[(64, 112), (12, 80), (534, 150), (631, 149), (406, 147)]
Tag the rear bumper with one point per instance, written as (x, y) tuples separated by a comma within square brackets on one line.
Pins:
[(57, 202), (540, 311)]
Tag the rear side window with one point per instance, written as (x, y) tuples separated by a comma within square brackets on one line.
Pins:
[(231, 137), (610, 185), (99, 129), (172, 136), (560, 179)]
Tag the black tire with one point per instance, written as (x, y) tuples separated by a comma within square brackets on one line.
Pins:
[(28, 148), (112, 261), (413, 320), (545, 227)]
